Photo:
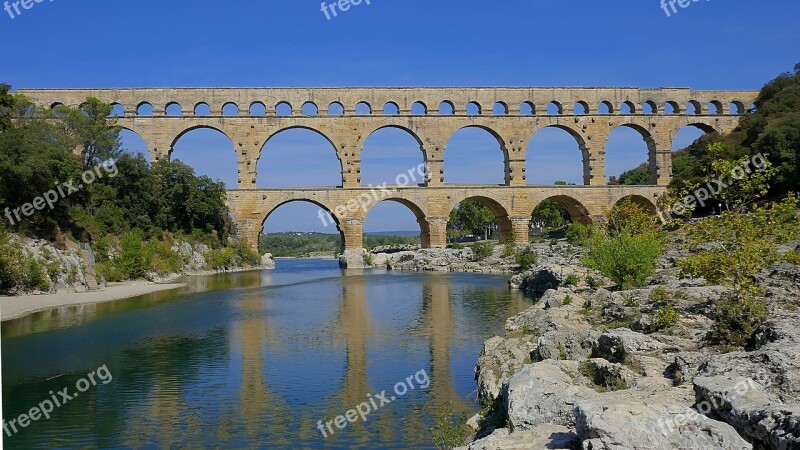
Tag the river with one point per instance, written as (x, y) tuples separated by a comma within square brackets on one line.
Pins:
[(257, 360)]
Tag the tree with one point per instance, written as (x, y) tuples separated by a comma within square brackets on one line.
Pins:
[(6, 107), (639, 176), (470, 217), (551, 213), (94, 133)]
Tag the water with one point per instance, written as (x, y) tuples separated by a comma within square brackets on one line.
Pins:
[(255, 360)]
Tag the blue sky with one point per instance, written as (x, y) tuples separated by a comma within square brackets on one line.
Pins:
[(731, 44)]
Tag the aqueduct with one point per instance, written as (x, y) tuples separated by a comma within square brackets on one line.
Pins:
[(346, 118)]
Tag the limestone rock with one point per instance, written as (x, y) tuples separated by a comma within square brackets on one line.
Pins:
[(541, 437)]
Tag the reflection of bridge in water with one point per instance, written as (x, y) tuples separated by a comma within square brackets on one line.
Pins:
[(251, 117)]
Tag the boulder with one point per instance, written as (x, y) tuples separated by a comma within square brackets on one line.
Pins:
[(541, 437)]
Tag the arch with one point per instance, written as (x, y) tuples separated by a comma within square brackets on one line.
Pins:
[(257, 109), (550, 162), (59, 109), (526, 109), (307, 154), (581, 108), (554, 108), (419, 109), (474, 109), (672, 107), (131, 142), (393, 209), (230, 109), (627, 107), (642, 201), (324, 219), (447, 108), (202, 109), (577, 211), (715, 107), (649, 107), (117, 110), (144, 109), (56, 105), (470, 151), (631, 148), (309, 109), (380, 166), (501, 215), (336, 109), (173, 109), (209, 151), (363, 109), (500, 109), (736, 107), (605, 107), (693, 108), (283, 109), (391, 109), (689, 133)]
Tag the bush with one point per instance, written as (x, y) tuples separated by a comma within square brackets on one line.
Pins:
[(626, 259), (658, 294), (131, 259), (736, 319), (578, 234), (244, 255), (572, 280), (160, 257), (509, 245), (482, 250), (221, 259), (525, 258), (109, 271), (591, 282), (666, 317), (792, 257)]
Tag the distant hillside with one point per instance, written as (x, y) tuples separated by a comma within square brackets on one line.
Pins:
[(304, 244)]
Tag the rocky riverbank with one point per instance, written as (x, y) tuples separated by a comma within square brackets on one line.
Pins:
[(595, 368)]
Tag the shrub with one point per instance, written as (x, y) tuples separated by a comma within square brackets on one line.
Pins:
[(578, 234), (658, 294), (792, 257), (525, 258), (591, 282), (221, 259), (406, 258), (368, 259), (108, 271), (626, 259), (161, 259), (244, 255), (457, 246), (666, 317), (448, 432), (482, 250), (131, 259), (572, 280), (568, 300), (736, 319)]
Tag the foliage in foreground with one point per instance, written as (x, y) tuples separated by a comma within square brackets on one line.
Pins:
[(18, 271), (626, 249)]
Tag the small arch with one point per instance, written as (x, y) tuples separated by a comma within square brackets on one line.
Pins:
[(672, 107), (473, 109), (577, 211), (715, 107), (649, 107), (363, 109), (174, 109), (500, 109), (581, 108), (554, 108), (391, 109), (283, 109), (202, 109), (627, 108), (309, 109), (693, 108), (230, 109), (59, 110), (526, 109), (419, 109), (446, 108), (639, 200), (144, 109), (117, 110), (56, 105), (605, 107), (258, 109), (336, 109), (736, 107)]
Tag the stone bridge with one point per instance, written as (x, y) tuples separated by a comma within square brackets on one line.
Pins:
[(346, 117)]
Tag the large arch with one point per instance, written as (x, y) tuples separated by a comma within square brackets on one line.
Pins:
[(689, 133), (209, 151), (577, 211), (553, 160), (301, 215), (398, 207), (385, 156), (473, 149), (501, 213), (314, 157), (132, 142), (628, 147), (640, 200)]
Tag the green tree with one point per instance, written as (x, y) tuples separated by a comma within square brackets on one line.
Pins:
[(640, 176), (94, 132), (551, 213), (6, 107), (470, 217)]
